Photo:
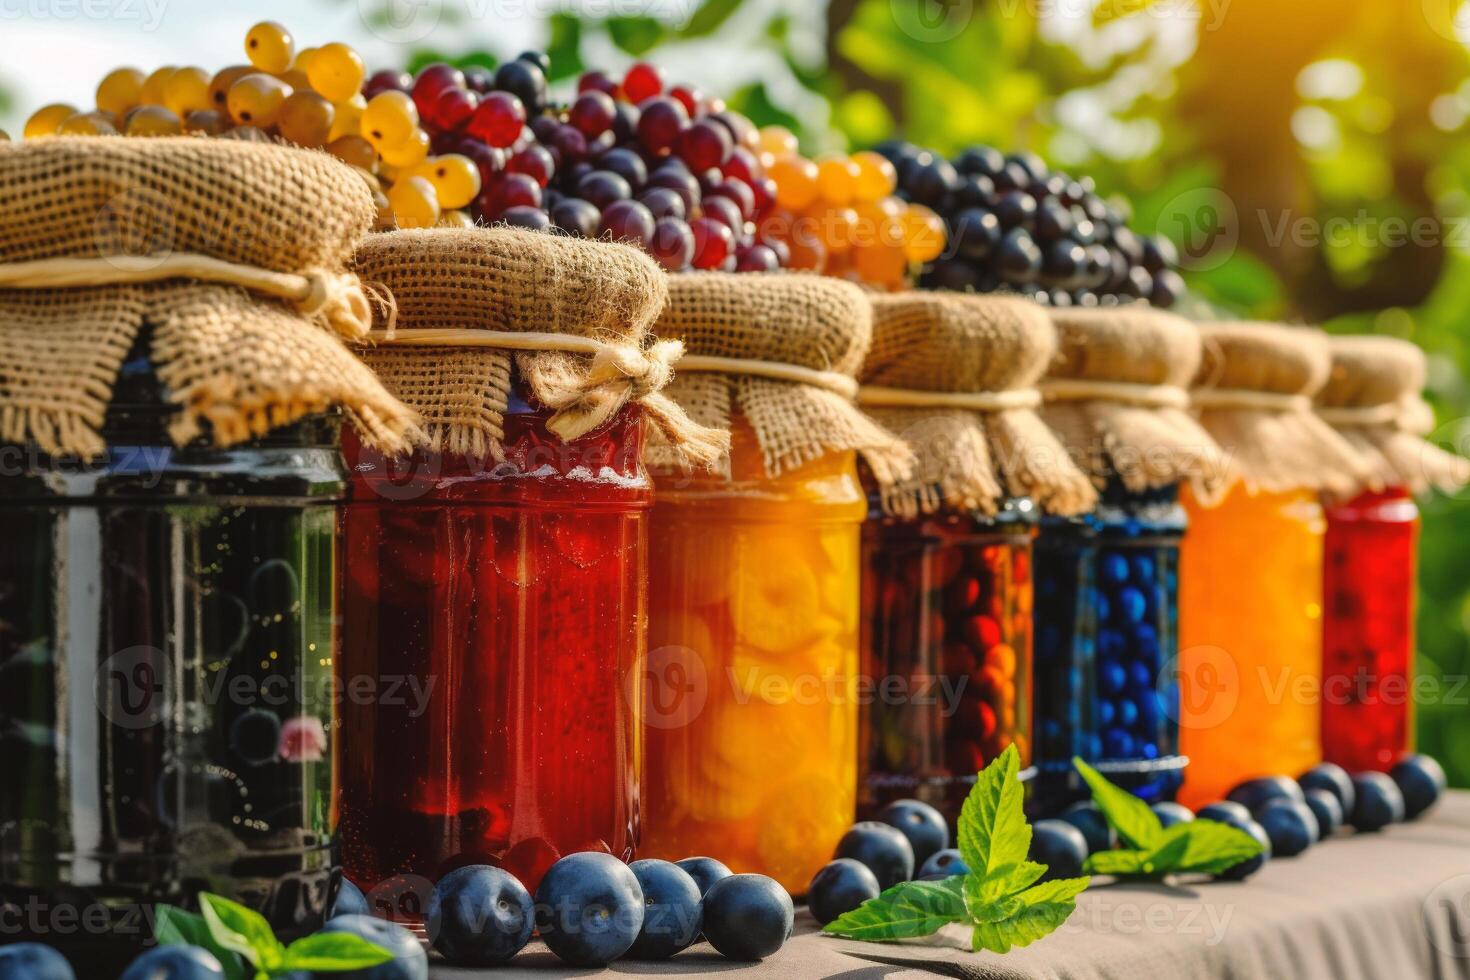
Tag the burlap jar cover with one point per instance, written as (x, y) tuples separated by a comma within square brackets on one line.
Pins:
[(1253, 392), (575, 316), (1372, 399), (233, 253), (783, 350), (1117, 397), (954, 375)]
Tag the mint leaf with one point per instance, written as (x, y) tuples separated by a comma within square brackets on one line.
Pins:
[(331, 952), (1038, 912), (1136, 824), (242, 930), (906, 911), (172, 926), (1003, 881), (1115, 863), (1212, 847), (992, 828)]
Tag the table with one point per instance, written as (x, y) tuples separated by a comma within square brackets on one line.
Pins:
[(1389, 905)]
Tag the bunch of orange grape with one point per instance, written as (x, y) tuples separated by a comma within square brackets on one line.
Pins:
[(840, 215), (311, 97)]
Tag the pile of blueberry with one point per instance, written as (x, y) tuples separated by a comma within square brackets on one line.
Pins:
[(1286, 815), (907, 839), (1016, 225)]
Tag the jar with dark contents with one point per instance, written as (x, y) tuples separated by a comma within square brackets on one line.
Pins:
[(495, 613), (1368, 629), (168, 628), (946, 652), (1107, 615)]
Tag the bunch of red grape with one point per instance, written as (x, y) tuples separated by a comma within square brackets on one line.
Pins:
[(634, 159)]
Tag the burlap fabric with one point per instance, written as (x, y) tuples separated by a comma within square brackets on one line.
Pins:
[(1372, 398), (516, 281), (236, 362), (808, 321), (969, 459), (1136, 426), (1275, 448)]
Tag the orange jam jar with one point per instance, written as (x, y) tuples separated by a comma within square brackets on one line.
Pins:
[(751, 706)]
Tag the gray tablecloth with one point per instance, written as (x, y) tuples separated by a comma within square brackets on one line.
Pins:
[(1391, 905)]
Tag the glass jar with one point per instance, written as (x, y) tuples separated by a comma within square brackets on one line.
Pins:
[(1107, 626), (1251, 640), (1368, 630), (168, 624), (751, 712), (946, 653), (494, 613)]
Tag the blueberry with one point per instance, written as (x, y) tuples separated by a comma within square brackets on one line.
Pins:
[(884, 849), (1379, 802), (1058, 845), (1326, 809), (1290, 824), (1170, 813), (1112, 677), (1334, 779), (672, 914), (1225, 811), (589, 908), (943, 864), (749, 917), (34, 961), (1095, 829), (1421, 780), (526, 81), (976, 233), (170, 963), (1250, 866), (479, 916), (705, 871), (1256, 793), (409, 962), (924, 826), (349, 901), (841, 886)]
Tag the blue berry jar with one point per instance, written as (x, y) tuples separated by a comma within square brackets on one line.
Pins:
[(1107, 625)]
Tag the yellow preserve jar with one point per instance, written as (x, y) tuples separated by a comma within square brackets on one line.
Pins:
[(750, 687), (1250, 597), (758, 577), (1250, 569)]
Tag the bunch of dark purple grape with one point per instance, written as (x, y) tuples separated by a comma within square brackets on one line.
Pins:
[(1017, 226)]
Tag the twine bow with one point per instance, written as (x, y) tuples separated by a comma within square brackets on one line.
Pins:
[(337, 299)]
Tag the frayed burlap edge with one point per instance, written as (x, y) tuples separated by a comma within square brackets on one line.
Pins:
[(1272, 450)]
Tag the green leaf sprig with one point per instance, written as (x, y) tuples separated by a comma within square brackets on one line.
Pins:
[(242, 940), (1151, 851), (999, 898)]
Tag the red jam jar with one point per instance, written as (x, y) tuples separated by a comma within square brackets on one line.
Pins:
[(1368, 630), (947, 651), (494, 612)]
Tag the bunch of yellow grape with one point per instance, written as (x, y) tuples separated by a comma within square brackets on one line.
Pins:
[(840, 215), (312, 97)]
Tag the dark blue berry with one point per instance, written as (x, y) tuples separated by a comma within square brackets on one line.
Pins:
[(839, 887), (409, 962), (171, 963), (1225, 811), (923, 825), (884, 849), (1253, 794), (1379, 802), (1332, 778), (1326, 809), (479, 916), (672, 914), (704, 870), (944, 864), (1290, 824), (589, 908), (1058, 845), (1250, 866), (1421, 780), (1170, 813), (1094, 827), (349, 901), (748, 917), (34, 961)]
